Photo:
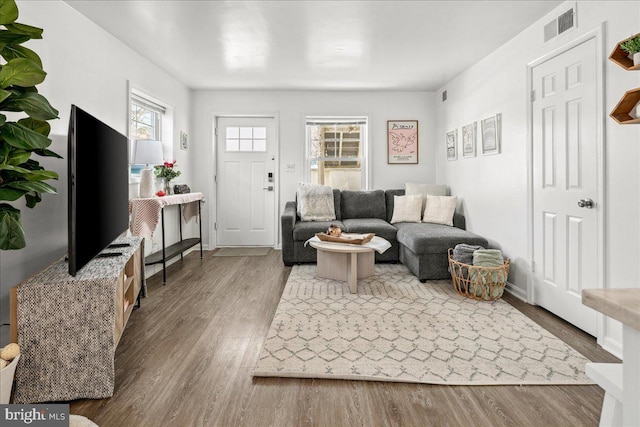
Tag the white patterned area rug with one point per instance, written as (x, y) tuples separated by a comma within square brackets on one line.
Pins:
[(398, 329)]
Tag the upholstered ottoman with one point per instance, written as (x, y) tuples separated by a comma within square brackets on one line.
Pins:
[(423, 247)]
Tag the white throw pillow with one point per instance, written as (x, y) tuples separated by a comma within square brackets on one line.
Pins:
[(406, 208), (411, 188), (315, 202), (440, 209)]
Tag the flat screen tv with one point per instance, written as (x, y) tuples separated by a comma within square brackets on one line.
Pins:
[(98, 187)]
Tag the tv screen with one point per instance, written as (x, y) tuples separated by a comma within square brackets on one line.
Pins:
[(98, 187)]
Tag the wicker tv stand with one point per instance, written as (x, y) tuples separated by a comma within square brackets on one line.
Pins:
[(69, 327)]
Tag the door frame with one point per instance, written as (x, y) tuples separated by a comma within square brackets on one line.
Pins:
[(213, 193), (597, 34)]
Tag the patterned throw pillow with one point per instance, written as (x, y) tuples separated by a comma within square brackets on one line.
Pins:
[(440, 209), (407, 208), (315, 202)]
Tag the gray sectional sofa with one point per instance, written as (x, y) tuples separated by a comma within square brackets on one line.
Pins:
[(422, 247)]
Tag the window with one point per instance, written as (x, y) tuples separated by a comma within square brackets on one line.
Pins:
[(246, 139), (145, 123), (336, 152)]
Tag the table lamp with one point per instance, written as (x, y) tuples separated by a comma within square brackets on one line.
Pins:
[(147, 152)]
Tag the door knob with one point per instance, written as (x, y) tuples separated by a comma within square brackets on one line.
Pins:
[(269, 188), (585, 203)]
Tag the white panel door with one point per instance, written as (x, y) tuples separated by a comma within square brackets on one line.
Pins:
[(565, 182), (245, 182)]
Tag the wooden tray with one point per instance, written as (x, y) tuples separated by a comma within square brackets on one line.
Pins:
[(353, 239)]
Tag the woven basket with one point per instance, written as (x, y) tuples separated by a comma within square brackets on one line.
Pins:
[(481, 283)]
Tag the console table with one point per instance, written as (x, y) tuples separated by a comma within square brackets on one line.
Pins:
[(621, 382), (69, 327), (147, 212)]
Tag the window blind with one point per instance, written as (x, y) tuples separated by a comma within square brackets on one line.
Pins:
[(148, 104), (328, 121)]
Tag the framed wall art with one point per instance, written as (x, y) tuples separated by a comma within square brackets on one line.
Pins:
[(469, 140), (184, 141), (402, 141), (491, 129), (452, 145)]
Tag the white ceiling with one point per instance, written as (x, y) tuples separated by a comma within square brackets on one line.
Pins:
[(314, 44)]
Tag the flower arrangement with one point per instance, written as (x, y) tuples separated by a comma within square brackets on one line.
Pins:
[(166, 171)]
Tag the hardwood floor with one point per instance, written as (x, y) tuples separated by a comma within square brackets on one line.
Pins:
[(186, 358)]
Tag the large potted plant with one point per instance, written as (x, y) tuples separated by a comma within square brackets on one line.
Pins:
[(20, 174)]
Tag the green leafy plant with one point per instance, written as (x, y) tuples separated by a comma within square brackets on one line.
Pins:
[(20, 175), (632, 45)]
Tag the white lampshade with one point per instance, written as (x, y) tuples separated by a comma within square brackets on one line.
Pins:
[(147, 152)]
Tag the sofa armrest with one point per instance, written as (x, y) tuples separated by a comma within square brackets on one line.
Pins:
[(459, 221), (287, 222)]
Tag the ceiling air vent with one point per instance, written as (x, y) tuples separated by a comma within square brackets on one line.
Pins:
[(565, 21), (560, 24)]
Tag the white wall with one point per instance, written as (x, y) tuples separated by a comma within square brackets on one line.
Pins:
[(89, 68), (292, 107), (494, 188)]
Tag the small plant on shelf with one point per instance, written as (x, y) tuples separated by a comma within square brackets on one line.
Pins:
[(631, 46)]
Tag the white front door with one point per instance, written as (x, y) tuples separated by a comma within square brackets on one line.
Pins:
[(565, 180), (245, 181)]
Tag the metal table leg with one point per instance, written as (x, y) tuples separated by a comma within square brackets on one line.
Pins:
[(200, 224), (164, 257)]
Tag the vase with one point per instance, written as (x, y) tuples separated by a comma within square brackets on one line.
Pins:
[(167, 187), (636, 59)]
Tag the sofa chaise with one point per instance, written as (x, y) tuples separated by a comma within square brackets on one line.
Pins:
[(422, 247)]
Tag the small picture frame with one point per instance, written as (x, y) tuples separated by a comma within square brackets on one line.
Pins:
[(452, 145), (491, 130), (469, 140), (184, 140), (402, 142)]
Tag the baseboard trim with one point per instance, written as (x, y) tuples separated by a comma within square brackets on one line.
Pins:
[(516, 292), (612, 346), (196, 248)]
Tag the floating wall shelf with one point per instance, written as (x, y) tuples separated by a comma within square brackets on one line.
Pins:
[(621, 57), (626, 105)]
